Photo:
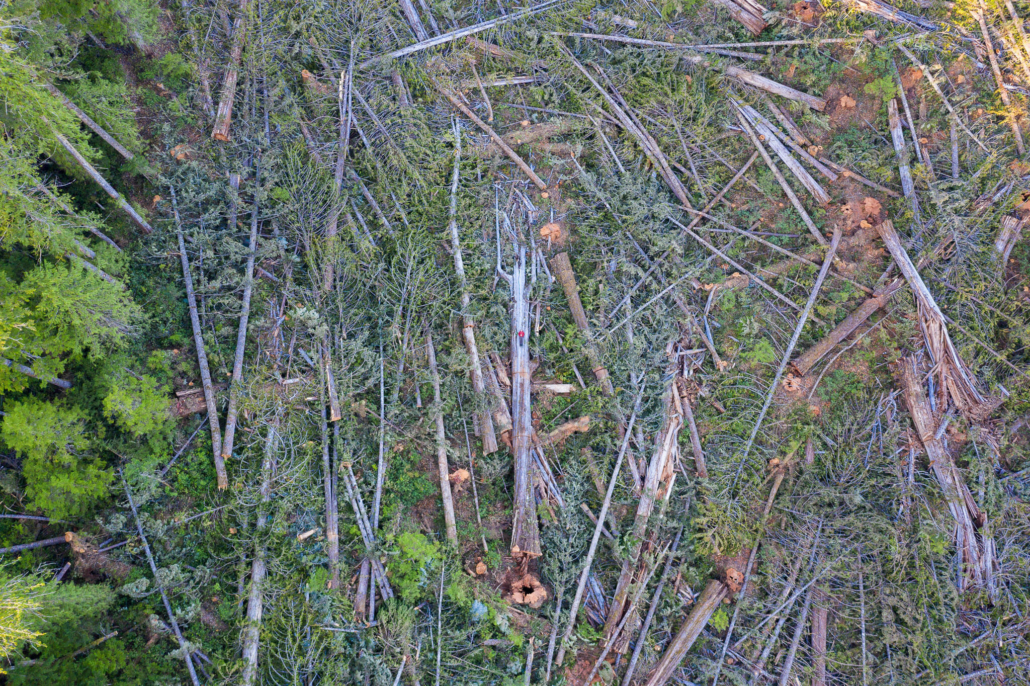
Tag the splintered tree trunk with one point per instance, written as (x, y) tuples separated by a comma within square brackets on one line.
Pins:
[(223, 118), (441, 447), (563, 272), (102, 182), (975, 552), (468, 334), (525, 535), (198, 340), (750, 14), (703, 610), (241, 335), (657, 470), (252, 630)]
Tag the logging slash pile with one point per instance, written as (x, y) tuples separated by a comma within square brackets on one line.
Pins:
[(586, 342)]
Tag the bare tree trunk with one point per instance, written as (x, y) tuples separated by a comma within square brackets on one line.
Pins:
[(27, 371), (241, 335), (441, 447), (198, 340), (102, 182), (223, 118), (88, 121), (820, 615), (252, 629), (898, 139), (343, 95), (525, 535), (332, 521), (703, 610), (45, 543), (486, 424), (160, 586), (747, 13), (1003, 92)]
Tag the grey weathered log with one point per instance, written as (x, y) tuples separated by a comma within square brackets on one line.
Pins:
[(241, 333), (102, 182), (332, 519), (779, 177), (198, 340), (88, 121), (525, 535), (898, 139), (442, 466), (468, 334), (223, 117), (709, 601), (750, 14), (45, 543), (413, 20), (820, 615), (27, 371), (258, 568), (769, 135), (95, 269), (160, 587)]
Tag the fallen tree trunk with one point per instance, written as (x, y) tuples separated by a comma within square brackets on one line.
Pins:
[(255, 601), (332, 519), (198, 340), (703, 610), (898, 139), (27, 371), (748, 13), (160, 587), (441, 447), (241, 335), (525, 536), (102, 182), (976, 553), (803, 364), (955, 380), (88, 121), (223, 118), (45, 543), (486, 425)]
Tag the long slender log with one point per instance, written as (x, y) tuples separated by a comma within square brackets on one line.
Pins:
[(898, 139), (413, 20), (500, 142), (361, 594), (683, 403), (441, 446), (742, 75), (799, 630), (160, 587), (241, 334), (198, 340), (525, 536), (789, 138), (703, 610), (562, 267), (461, 33), (798, 207), (223, 118), (45, 543), (344, 101), (803, 364), (92, 229), (820, 615), (88, 121), (258, 568), (95, 269), (332, 521), (827, 261), (769, 136), (468, 334), (1003, 92), (102, 182), (27, 371), (330, 382), (592, 549)]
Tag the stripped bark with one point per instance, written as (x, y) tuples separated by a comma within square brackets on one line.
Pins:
[(198, 340), (747, 12), (955, 380), (441, 446), (102, 182), (258, 569), (898, 139), (1011, 229), (241, 335), (160, 587), (976, 551), (468, 334), (563, 272), (88, 121), (525, 535), (223, 118), (703, 610)]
